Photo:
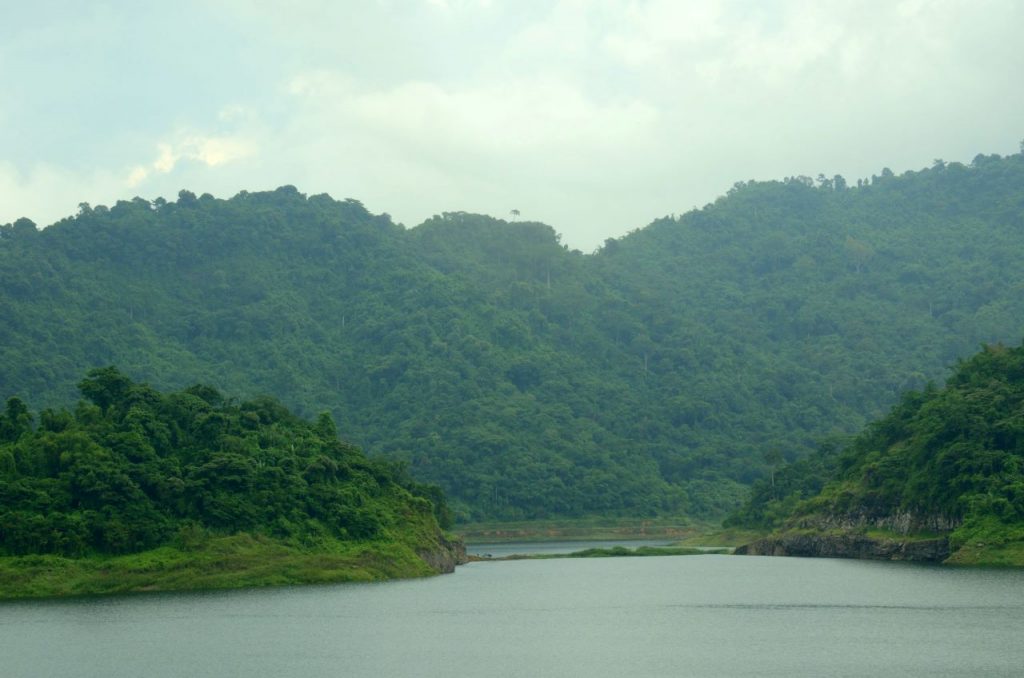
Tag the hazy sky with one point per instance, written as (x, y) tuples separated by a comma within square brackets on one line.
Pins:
[(595, 117)]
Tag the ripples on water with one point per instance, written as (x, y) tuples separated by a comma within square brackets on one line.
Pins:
[(656, 616)]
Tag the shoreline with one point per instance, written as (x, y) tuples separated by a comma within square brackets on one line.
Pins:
[(581, 529), (937, 549), (234, 562)]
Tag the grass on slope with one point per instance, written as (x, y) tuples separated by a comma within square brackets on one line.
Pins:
[(241, 560), (988, 541)]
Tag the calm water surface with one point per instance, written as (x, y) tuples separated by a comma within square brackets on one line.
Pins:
[(661, 616)]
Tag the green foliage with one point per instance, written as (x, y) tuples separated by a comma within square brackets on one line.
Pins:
[(943, 458), (988, 539), (526, 379), (771, 501), (141, 469), (211, 562)]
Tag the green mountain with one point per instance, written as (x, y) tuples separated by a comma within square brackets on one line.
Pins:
[(946, 461), (662, 374)]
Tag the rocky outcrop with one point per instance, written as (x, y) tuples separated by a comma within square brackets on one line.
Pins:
[(902, 522), (445, 555), (848, 545)]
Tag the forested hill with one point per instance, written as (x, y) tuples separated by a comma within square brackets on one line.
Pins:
[(663, 373), (132, 469)]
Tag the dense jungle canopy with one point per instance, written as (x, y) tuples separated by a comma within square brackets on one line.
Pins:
[(664, 373)]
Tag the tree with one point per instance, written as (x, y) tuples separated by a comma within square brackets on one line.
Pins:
[(23, 226), (859, 252), (105, 386), (774, 458), (15, 420)]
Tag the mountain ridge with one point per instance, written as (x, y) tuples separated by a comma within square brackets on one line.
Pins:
[(662, 374)]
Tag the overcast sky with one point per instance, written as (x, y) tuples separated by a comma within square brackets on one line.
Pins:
[(595, 117)]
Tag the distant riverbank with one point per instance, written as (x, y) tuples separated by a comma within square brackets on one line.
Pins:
[(681, 532)]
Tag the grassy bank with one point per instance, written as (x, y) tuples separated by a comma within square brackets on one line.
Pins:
[(989, 542), (238, 561), (989, 555), (726, 538)]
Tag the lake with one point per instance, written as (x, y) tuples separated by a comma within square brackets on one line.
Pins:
[(709, 615)]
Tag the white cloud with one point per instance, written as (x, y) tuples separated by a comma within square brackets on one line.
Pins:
[(595, 116), (136, 176), (484, 131), (456, 5), (420, 148), (651, 31), (47, 192), (527, 116), (211, 151)]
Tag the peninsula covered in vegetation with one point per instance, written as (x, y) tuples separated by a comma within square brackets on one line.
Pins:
[(940, 478), (135, 489)]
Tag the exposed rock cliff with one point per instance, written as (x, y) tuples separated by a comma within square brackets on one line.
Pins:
[(445, 555), (902, 522), (848, 545)]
